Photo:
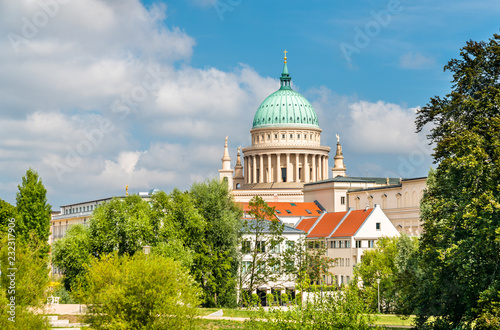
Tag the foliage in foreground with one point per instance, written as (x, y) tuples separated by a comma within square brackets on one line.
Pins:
[(27, 286), (139, 292), (336, 310), (394, 261), (460, 246), (199, 228)]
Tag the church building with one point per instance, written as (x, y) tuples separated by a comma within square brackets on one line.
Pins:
[(286, 150)]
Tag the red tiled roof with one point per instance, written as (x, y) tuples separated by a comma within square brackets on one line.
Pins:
[(351, 224), (295, 209), (306, 224), (327, 224)]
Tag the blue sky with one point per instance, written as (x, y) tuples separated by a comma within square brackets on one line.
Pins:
[(97, 95)]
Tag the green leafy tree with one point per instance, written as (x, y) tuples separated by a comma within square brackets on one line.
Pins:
[(139, 292), (395, 262), (216, 259), (122, 224), (72, 253), (460, 257), (306, 264), (379, 264), (264, 234), (23, 282), (7, 212), (32, 207)]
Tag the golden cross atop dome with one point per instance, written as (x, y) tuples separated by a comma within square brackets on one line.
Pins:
[(285, 54)]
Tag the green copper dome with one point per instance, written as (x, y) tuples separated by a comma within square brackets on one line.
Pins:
[(285, 107)]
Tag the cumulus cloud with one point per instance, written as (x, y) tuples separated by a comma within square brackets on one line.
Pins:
[(87, 87), (383, 127), (416, 61)]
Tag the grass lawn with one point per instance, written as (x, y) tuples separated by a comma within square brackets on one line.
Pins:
[(228, 312), (388, 319)]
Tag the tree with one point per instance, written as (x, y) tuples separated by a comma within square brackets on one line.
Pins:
[(7, 212), (306, 265), (216, 259), (23, 282), (263, 234), (461, 208), (122, 224), (72, 253), (139, 292), (394, 261), (379, 264), (32, 207)]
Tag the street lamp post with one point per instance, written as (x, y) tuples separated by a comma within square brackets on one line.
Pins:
[(378, 294)]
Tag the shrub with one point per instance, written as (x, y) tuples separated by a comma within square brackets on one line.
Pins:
[(139, 292)]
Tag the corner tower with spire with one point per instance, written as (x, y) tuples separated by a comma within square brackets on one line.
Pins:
[(226, 173)]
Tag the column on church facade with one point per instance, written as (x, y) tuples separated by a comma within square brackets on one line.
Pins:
[(314, 167), (261, 168), (326, 167), (278, 168), (306, 168), (288, 174), (254, 169), (245, 174), (297, 176), (320, 167), (269, 169)]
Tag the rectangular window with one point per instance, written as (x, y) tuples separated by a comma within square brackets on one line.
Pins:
[(347, 279), (276, 136), (260, 246), (331, 244), (377, 226), (371, 243), (347, 244), (347, 261), (283, 136), (342, 200), (310, 244), (276, 248), (245, 266), (334, 244), (291, 136), (341, 244), (245, 247), (290, 244), (358, 244)]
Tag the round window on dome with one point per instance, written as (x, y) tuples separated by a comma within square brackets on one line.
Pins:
[(283, 118), (276, 118)]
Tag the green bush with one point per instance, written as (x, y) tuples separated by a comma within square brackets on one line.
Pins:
[(339, 310), (284, 298), (270, 299), (139, 292)]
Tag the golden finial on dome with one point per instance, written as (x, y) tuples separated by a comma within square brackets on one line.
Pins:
[(285, 54), (126, 190)]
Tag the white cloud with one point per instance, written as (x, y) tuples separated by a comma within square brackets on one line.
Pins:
[(416, 61), (383, 127)]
